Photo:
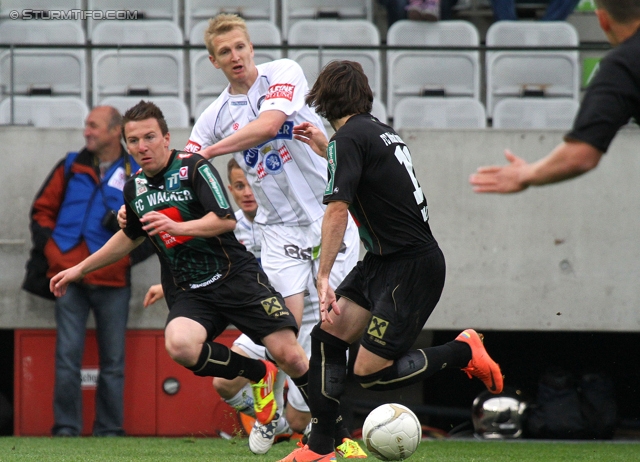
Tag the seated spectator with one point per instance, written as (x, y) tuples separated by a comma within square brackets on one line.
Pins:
[(557, 10), (395, 10), (425, 10)]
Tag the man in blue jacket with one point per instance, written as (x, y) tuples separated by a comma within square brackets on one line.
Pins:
[(72, 217)]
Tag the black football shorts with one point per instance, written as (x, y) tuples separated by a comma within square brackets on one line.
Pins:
[(246, 300), (400, 294)]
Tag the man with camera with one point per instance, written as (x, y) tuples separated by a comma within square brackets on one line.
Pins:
[(72, 217)]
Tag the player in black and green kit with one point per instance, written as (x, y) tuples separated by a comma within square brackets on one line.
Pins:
[(386, 299), (178, 201)]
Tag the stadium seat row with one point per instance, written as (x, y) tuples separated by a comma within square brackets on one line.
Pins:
[(190, 12), (433, 74)]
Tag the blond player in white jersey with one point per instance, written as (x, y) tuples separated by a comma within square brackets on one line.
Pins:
[(253, 118)]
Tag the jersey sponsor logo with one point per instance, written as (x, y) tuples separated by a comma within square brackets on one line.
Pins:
[(332, 163), (216, 189), (207, 282), (293, 251), (285, 155), (156, 198), (273, 164), (238, 103), (285, 132), (280, 90), (118, 179), (272, 307), (141, 186), (184, 173), (260, 171), (172, 180), (251, 157), (184, 155), (170, 240), (191, 146), (377, 327)]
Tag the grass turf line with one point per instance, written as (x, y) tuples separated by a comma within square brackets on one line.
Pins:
[(236, 450)]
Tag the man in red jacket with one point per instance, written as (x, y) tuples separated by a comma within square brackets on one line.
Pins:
[(72, 217)]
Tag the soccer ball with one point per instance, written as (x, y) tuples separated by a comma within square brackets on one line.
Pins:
[(391, 432)]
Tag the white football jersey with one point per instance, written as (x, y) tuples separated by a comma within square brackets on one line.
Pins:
[(247, 234), (288, 179)]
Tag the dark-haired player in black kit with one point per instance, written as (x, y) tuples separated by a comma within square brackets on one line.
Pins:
[(387, 298), (177, 199)]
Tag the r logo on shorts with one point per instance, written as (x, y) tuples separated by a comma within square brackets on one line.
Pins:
[(271, 305), (377, 327)]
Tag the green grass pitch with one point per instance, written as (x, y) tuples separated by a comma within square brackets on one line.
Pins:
[(236, 450)]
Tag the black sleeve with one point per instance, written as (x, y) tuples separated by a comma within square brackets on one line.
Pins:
[(607, 105), (209, 188), (344, 163)]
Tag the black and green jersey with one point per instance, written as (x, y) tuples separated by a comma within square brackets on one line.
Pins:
[(370, 168), (186, 189)]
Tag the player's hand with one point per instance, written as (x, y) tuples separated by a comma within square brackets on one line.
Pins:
[(327, 300), (154, 294), (122, 217), (59, 283), (313, 136), (154, 222), (500, 179)]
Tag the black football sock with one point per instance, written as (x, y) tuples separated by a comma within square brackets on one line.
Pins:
[(327, 377), (217, 360), (302, 383), (417, 365)]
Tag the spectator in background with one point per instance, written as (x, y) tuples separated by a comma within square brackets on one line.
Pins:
[(424, 10), (396, 10), (557, 10), (71, 218)]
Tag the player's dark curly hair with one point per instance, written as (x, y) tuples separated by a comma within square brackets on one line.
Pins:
[(623, 11), (145, 110), (342, 89)]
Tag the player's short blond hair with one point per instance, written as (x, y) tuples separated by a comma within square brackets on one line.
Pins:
[(222, 24)]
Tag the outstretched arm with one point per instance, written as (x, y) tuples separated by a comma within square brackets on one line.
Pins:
[(115, 248), (264, 128), (568, 160)]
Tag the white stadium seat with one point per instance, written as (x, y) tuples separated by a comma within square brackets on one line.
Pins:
[(337, 32), (295, 10), (547, 73), (7, 6), (535, 113), (45, 111), (442, 72), (166, 10), (439, 112), (196, 11), (175, 111), (55, 71), (138, 72)]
